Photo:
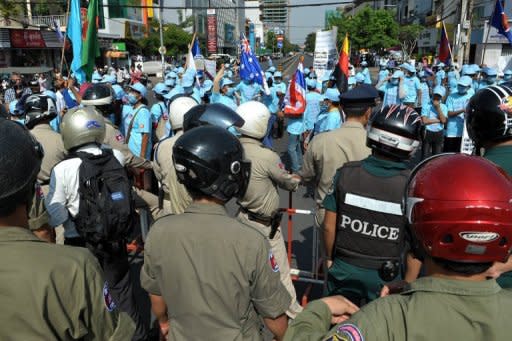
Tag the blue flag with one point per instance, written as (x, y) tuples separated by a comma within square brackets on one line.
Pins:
[(249, 66), (196, 50), (499, 21), (75, 35)]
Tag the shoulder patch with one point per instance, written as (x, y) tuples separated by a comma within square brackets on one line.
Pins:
[(331, 188), (107, 298), (273, 263), (39, 191), (349, 332), (120, 137), (281, 165), (141, 126)]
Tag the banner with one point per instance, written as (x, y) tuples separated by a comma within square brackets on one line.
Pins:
[(211, 24), (210, 68), (27, 39), (325, 52), (252, 38)]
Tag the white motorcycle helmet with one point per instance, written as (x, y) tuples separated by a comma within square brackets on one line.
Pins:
[(177, 110), (256, 116)]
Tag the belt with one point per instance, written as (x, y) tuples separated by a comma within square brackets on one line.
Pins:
[(368, 262), (258, 218)]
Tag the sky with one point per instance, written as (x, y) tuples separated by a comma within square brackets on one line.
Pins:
[(304, 20)]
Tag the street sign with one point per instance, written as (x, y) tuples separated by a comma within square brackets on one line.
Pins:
[(279, 44), (162, 50)]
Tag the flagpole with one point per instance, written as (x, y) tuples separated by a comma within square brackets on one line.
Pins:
[(64, 43), (448, 40), (487, 35)]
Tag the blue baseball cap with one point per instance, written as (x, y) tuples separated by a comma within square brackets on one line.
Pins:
[(50, 94), (207, 85), (489, 71), (465, 81), (310, 83), (364, 63), (187, 80), (408, 67), (271, 69), (439, 90), (332, 94), (226, 82), (141, 89), (118, 91), (160, 89), (278, 74), (306, 71), (12, 108), (109, 79), (507, 72), (398, 74), (441, 64), (360, 77), (352, 80)]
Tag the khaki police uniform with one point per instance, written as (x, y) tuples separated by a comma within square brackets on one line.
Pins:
[(54, 151), (54, 292), (328, 152), (431, 309), (261, 202), (215, 274), (176, 196)]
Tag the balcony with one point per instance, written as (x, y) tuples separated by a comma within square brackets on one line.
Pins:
[(47, 20)]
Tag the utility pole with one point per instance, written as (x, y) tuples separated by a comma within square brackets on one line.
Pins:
[(465, 20), (162, 49)]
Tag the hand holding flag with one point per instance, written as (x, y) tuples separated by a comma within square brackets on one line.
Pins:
[(341, 73), (296, 93), (250, 67)]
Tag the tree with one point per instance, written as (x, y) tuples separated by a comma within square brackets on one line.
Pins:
[(408, 37), (10, 9), (369, 29), (310, 42), (176, 40), (271, 43)]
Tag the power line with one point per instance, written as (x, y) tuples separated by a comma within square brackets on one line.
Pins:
[(266, 6)]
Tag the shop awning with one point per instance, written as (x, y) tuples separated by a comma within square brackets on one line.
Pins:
[(116, 54)]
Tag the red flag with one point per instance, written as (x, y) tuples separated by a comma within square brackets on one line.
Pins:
[(341, 70), (445, 53)]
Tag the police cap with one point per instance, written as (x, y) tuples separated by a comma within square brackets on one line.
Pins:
[(360, 97)]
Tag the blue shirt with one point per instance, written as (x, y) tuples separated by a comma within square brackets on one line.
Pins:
[(125, 118), (179, 90), (429, 111), (440, 75), (141, 118), (295, 126), (455, 124), (328, 121), (383, 74), (367, 77), (223, 99), (157, 111), (411, 85), (425, 93), (248, 92), (313, 100), (390, 94)]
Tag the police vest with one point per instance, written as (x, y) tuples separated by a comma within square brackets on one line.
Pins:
[(370, 224)]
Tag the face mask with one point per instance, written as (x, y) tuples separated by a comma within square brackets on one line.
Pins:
[(423, 80), (507, 77), (462, 90), (324, 106), (132, 99), (490, 80), (277, 81), (394, 81), (188, 89), (230, 92), (247, 82)]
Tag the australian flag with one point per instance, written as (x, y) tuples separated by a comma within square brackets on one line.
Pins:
[(499, 21), (249, 67)]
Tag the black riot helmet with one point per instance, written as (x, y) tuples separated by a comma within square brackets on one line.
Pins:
[(215, 114), (38, 108), (395, 131), (100, 96), (210, 160), (4, 113), (19, 169), (489, 115)]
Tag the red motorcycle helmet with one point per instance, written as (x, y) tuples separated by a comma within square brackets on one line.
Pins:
[(459, 208)]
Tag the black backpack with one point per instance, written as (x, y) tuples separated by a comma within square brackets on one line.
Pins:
[(106, 210)]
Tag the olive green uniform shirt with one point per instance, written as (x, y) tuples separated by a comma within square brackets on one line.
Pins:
[(431, 309), (502, 156), (176, 198), (54, 292), (214, 273), (54, 151), (267, 174), (329, 151), (115, 140)]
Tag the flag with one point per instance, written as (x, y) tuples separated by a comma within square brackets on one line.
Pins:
[(196, 50), (90, 45), (56, 27), (249, 67), (445, 52), (296, 93), (74, 33), (499, 21), (341, 73)]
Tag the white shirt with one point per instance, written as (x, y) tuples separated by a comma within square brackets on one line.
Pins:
[(63, 199), (61, 104)]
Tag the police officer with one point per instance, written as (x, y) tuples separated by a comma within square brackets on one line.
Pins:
[(491, 133), (206, 272), (455, 301), (39, 111), (259, 207), (37, 275), (83, 130), (329, 151), (174, 198), (365, 233)]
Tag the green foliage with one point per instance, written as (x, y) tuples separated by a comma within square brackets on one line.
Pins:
[(368, 29), (271, 43), (10, 9), (310, 42), (52, 8), (176, 40)]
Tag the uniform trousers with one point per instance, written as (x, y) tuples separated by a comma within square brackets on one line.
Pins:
[(279, 251), (113, 259)]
